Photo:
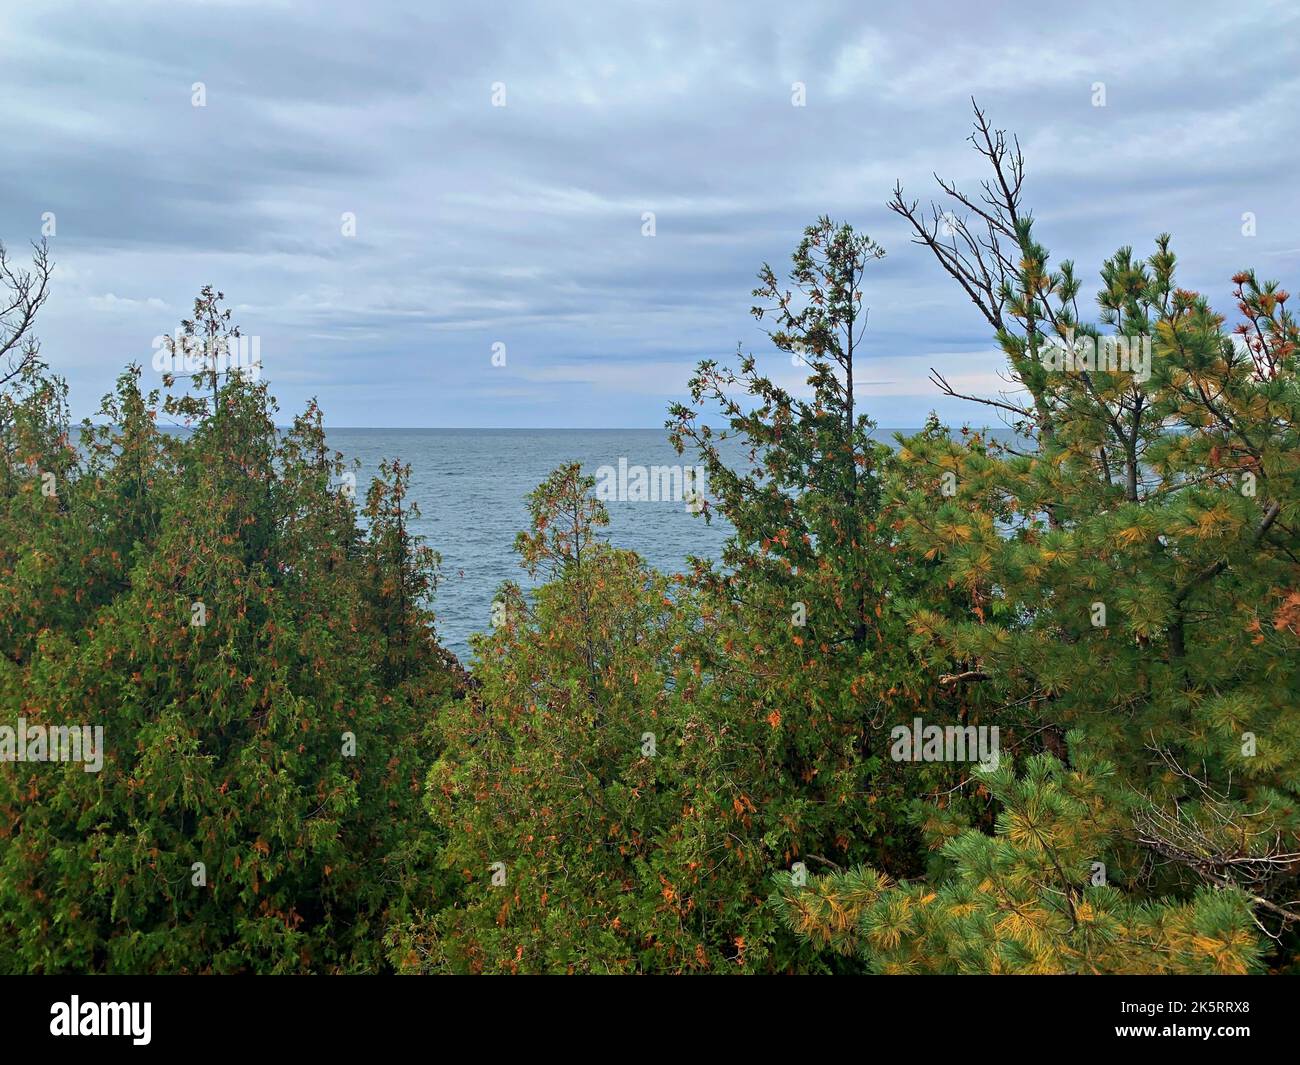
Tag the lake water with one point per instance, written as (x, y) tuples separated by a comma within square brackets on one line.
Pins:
[(470, 485)]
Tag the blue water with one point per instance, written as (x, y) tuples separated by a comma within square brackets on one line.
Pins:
[(470, 485)]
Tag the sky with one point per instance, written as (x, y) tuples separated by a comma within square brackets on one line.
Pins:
[(498, 161)]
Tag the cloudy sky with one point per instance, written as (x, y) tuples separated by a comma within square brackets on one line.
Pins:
[(522, 225)]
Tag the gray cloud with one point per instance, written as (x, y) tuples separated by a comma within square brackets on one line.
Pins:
[(522, 225)]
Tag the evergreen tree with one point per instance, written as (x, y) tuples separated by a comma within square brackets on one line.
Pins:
[(805, 658), (1127, 566), (1029, 900), (562, 777), (210, 602)]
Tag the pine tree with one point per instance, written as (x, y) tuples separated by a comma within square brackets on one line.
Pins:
[(1128, 558), (1031, 899)]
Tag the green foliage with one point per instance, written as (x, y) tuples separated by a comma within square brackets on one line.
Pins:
[(1028, 900), (1131, 572), (209, 600), (1127, 564), (804, 648), (567, 782), (297, 778)]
